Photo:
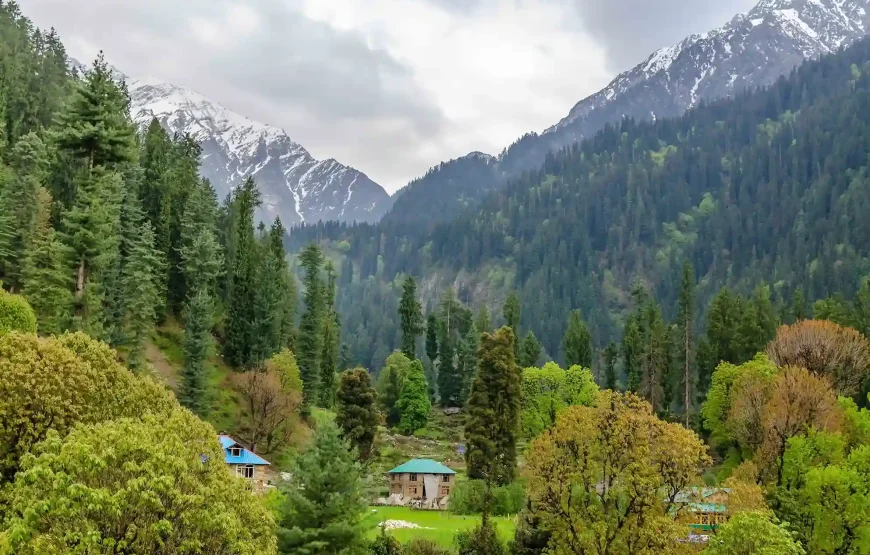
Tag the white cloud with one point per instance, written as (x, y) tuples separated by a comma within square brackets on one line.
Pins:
[(390, 87)]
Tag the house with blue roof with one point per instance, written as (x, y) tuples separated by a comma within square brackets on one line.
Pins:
[(243, 462), (423, 480)]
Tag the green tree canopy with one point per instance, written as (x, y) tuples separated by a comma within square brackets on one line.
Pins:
[(323, 506), (157, 485), (389, 385), (414, 405), (16, 314), (357, 414), (753, 533)]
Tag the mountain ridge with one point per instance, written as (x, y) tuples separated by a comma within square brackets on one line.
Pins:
[(752, 50), (294, 185)]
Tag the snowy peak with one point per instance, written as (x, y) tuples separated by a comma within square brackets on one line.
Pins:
[(751, 50), (294, 185)]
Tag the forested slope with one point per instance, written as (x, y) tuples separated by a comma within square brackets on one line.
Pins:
[(771, 187)]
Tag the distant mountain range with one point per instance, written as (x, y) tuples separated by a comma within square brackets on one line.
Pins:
[(750, 51), (294, 185)]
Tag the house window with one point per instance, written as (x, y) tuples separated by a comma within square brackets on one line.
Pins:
[(235, 451), (245, 471), (412, 491), (413, 477), (445, 478), (444, 491)]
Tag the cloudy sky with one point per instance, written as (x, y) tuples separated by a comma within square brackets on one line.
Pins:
[(391, 87)]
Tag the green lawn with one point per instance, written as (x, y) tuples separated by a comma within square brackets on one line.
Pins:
[(443, 524)]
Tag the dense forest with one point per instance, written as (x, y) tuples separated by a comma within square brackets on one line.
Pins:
[(764, 190)]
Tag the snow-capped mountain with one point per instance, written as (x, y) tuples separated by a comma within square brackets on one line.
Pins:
[(293, 184), (750, 51)]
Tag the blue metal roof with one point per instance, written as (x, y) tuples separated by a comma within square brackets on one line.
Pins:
[(246, 457), (422, 466)]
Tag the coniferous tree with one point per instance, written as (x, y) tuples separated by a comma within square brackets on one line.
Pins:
[(47, 280), (243, 283), (611, 354), (449, 382), (140, 276), (632, 354), (492, 423), (798, 306), (19, 207), (512, 312), (200, 254), (411, 316), (722, 341), (432, 351), (357, 414), (685, 337), (389, 385), (322, 508), (530, 351), (267, 314), (331, 341), (310, 342), (655, 364), (577, 343), (482, 321), (466, 357), (197, 343), (413, 404)]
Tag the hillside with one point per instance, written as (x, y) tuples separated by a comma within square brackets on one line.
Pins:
[(768, 187), (750, 51)]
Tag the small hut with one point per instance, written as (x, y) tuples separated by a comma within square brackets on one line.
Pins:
[(422, 482)]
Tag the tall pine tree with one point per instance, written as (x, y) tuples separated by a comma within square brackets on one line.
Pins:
[(411, 316), (331, 341), (492, 421), (243, 282), (577, 343), (685, 343), (197, 342), (309, 344)]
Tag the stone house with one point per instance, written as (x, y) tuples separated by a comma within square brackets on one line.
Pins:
[(422, 479), (243, 462)]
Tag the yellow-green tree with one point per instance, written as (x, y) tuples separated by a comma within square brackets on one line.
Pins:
[(157, 485), (16, 314), (56, 383), (606, 479), (753, 533)]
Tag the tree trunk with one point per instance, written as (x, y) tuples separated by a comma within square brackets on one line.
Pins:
[(80, 280)]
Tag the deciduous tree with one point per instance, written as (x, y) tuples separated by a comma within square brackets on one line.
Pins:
[(413, 404)]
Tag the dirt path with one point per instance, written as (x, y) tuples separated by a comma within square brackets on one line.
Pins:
[(162, 367)]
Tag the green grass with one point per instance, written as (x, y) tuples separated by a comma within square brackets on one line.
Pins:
[(438, 526)]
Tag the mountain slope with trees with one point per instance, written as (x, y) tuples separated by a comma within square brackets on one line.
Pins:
[(750, 51), (768, 188)]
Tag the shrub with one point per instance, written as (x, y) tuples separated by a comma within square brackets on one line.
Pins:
[(469, 497), (419, 546), (16, 314)]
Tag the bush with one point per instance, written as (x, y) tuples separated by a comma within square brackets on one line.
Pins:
[(111, 484), (419, 546), (16, 314), (386, 544), (483, 540), (469, 498)]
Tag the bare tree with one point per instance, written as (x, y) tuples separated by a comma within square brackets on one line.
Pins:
[(268, 409)]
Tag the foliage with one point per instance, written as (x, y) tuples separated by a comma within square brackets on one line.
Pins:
[(842, 355), (16, 314), (419, 546), (752, 533), (331, 341), (470, 497), (197, 344), (386, 544), (482, 540), (56, 383), (547, 391), (389, 385), (269, 408), (413, 403), (605, 479), (411, 315), (75, 495), (577, 343), (323, 506), (530, 351), (492, 422), (726, 384), (357, 413), (310, 343)]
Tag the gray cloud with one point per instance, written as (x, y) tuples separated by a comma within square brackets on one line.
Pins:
[(323, 85), (630, 30)]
